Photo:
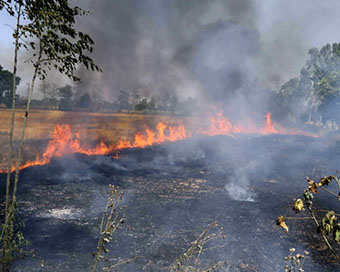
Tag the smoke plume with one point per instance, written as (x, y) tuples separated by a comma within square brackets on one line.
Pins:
[(221, 52)]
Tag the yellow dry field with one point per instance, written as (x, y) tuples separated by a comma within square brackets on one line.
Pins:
[(92, 127)]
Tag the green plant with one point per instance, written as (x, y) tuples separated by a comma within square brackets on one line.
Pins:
[(325, 220)]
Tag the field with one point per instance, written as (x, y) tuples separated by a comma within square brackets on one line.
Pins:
[(171, 192), (92, 128)]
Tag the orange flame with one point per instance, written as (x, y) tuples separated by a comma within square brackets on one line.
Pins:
[(65, 142), (164, 134), (221, 125)]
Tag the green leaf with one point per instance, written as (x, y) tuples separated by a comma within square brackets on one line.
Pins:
[(327, 223), (336, 233)]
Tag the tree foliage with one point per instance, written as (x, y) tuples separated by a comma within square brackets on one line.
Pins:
[(55, 39), (6, 86), (65, 94), (123, 101), (316, 93), (84, 101), (49, 33)]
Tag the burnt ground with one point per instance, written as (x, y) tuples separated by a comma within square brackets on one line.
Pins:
[(172, 192)]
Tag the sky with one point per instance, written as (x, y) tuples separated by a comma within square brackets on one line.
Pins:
[(194, 48), (6, 40)]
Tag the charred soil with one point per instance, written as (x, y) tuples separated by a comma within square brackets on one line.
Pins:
[(172, 191)]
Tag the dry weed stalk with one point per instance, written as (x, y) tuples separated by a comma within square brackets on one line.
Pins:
[(295, 263), (190, 259), (110, 222), (326, 223)]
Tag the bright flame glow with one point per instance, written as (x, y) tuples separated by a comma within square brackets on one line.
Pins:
[(65, 142), (221, 125)]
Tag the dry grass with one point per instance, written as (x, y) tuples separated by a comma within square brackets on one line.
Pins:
[(92, 127)]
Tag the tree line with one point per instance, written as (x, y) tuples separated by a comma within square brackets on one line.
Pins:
[(314, 96), (68, 98)]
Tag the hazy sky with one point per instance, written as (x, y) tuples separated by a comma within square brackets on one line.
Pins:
[(190, 45), (6, 38)]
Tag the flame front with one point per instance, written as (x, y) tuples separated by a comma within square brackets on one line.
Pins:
[(221, 125), (65, 142), (164, 134)]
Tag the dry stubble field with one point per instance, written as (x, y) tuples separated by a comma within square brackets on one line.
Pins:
[(92, 128)]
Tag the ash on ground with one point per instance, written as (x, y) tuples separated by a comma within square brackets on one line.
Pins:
[(172, 192)]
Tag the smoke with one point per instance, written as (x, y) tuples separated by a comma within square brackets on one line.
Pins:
[(288, 30), (222, 52), (237, 188), (185, 48)]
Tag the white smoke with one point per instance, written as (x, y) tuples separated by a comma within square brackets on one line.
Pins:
[(238, 187)]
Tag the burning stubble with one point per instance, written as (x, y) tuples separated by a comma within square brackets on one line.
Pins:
[(189, 169), (64, 141)]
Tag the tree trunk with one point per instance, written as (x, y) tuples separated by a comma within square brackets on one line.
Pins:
[(310, 116), (7, 230), (10, 149), (17, 170)]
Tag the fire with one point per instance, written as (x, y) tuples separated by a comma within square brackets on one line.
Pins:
[(221, 125), (64, 141), (164, 134), (269, 128)]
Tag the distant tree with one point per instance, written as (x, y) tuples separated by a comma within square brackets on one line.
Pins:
[(123, 101), (65, 94), (52, 96), (190, 105), (135, 97), (287, 97), (44, 88), (325, 74), (152, 104), (6, 86), (7, 99), (85, 101), (317, 91), (142, 105), (22, 101), (168, 102)]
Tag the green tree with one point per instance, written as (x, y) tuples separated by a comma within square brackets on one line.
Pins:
[(84, 101), (142, 105), (49, 32), (44, 89), (317, 91), (152, 104), (123, 101), (65, 94), (325, 71), (6, 87)]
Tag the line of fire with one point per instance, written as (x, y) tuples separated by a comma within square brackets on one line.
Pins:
[(169, 135)]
